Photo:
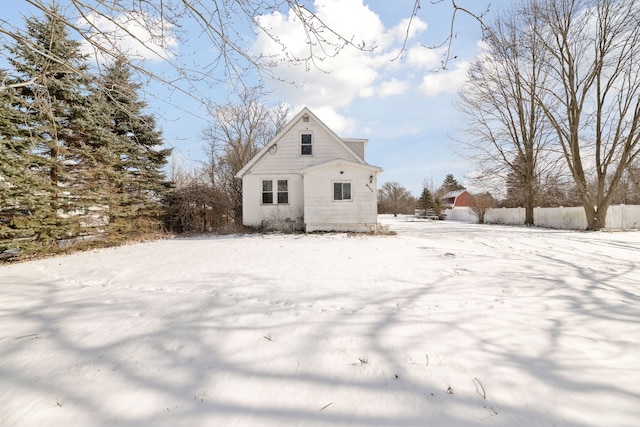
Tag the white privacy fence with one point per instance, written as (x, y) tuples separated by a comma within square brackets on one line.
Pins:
[(619, 217), (461, 214)]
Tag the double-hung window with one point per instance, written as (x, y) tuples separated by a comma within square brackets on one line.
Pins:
[(267, 192), (341, 191), (281, 190), (306, 144)]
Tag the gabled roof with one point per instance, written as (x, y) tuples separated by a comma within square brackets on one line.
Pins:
[(341, 161), (453, 194), (286, 129)]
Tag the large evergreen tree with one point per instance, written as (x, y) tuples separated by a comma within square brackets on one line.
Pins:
[(76, 149), (19, 185), (425, 201), (430, 204), (137, 176), (52, 88), (450, 184), (76, 152)]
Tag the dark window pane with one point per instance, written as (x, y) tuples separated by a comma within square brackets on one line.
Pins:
[(282, 185), (283, 197), (346, 191), (337, 191), (306, 146), (267, 198), (267, 186)]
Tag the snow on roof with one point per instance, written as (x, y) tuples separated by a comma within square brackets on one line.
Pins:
[(453, 194)]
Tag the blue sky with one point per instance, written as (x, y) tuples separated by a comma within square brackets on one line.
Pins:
[(404, 107)]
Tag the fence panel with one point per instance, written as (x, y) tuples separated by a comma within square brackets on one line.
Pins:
[(619, 217)]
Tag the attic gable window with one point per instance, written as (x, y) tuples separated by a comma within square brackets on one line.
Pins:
[(341, 191), (306, 146)]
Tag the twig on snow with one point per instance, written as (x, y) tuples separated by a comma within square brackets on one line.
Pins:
[(326, 406), (478, 383), (493, 411)]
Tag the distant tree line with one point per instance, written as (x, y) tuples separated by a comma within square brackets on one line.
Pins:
[(395, 199), (79, 157)]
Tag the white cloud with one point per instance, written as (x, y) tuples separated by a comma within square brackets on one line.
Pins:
[(424, 58), (336, 122), (329, 116), (333, 82), (414, 27), (444, 81), (367, 92), (392, 87), (134, 35)]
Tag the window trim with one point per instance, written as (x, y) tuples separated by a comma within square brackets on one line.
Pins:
[(274, 191), (342, 199), (303, 145), (264, 192), (278, 181)]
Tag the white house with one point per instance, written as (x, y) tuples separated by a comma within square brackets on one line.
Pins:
[(308, 175)]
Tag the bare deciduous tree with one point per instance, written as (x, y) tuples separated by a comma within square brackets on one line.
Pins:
[(239, 130), (481, 204), (571, 68), (506, 129), (394, 198), (593, 50), (194, 205)]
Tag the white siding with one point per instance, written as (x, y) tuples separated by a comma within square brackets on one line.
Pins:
[(311, 179), (286, 157), (323, 213), (254, 212)]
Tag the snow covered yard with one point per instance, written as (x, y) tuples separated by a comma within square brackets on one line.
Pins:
[(443, 324)]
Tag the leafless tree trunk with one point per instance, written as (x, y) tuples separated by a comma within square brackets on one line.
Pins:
[(593, 49), (394, 198), (506, 129)]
